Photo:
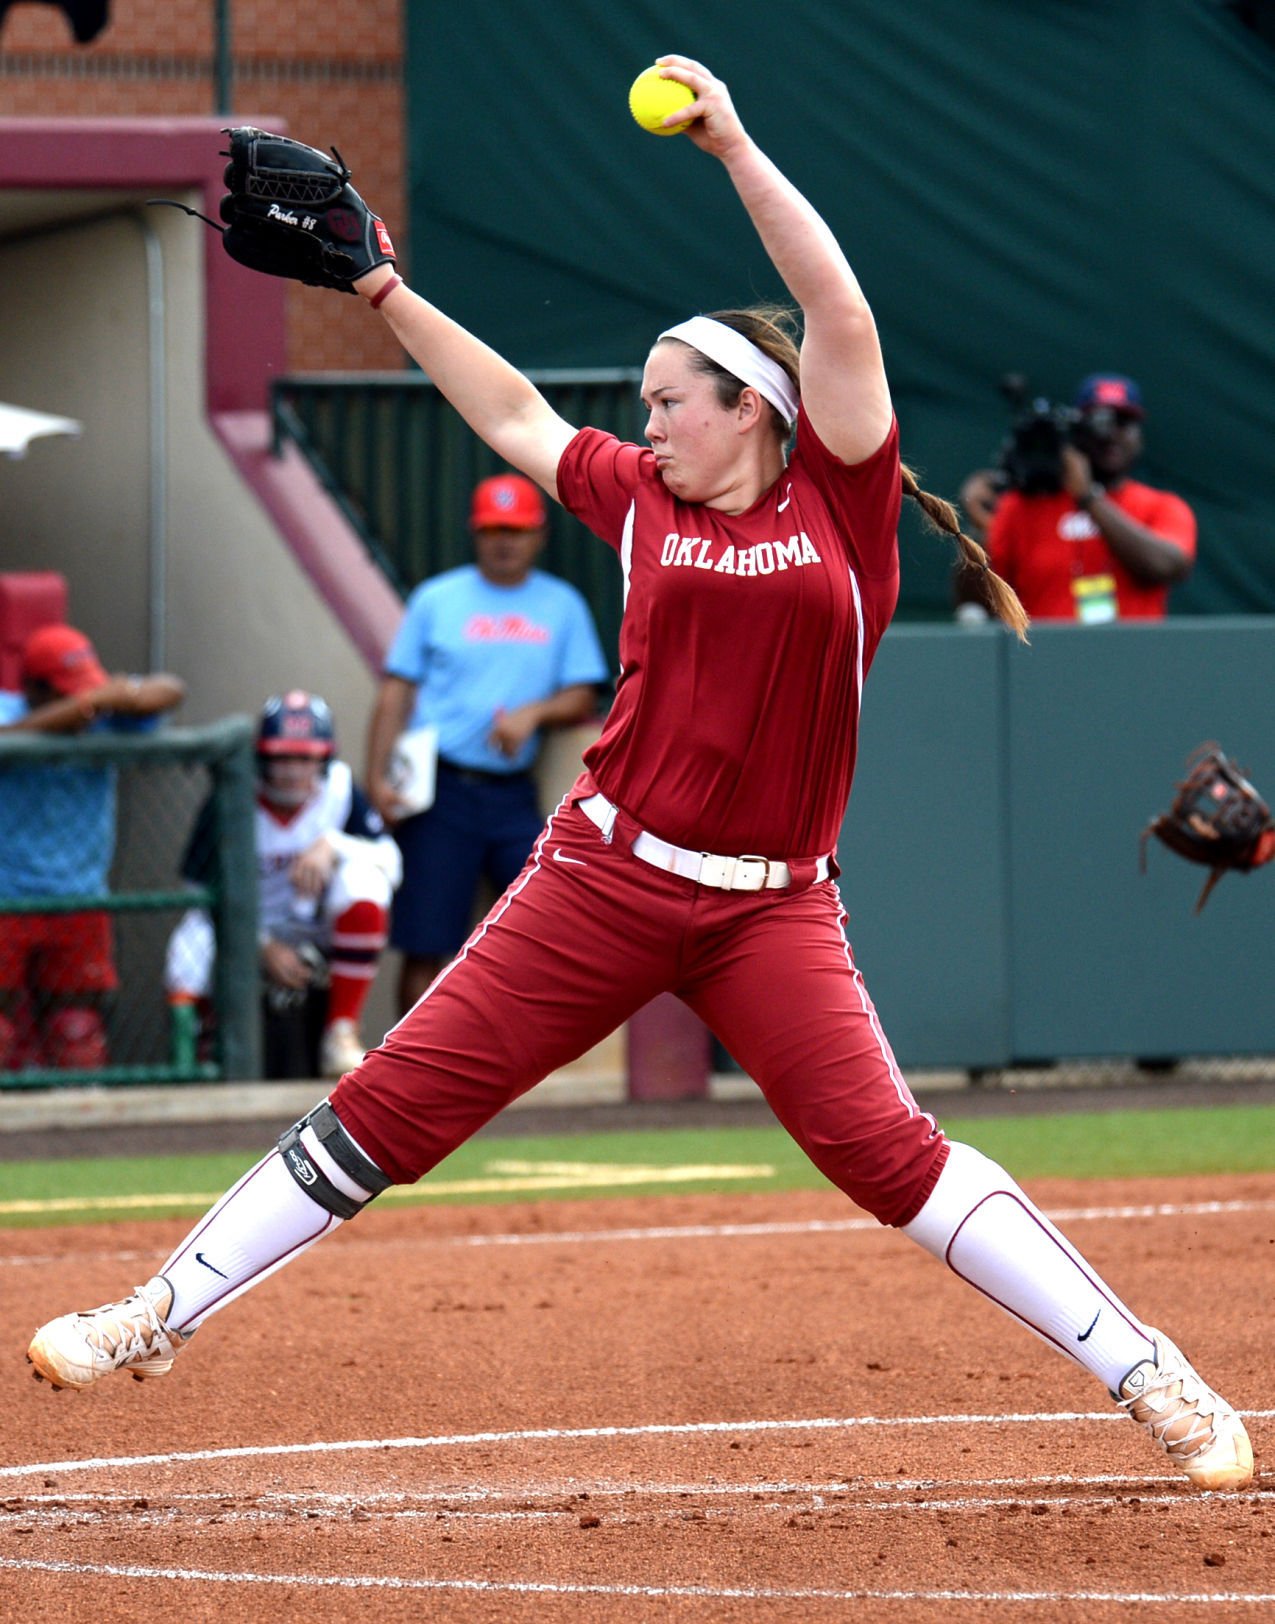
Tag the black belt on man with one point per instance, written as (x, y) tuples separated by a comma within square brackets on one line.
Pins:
[(479, 775)]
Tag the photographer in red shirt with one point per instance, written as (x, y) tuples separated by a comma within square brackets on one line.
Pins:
[(1104, 547)]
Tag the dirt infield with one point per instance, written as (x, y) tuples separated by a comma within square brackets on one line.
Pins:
[(703, 1409)]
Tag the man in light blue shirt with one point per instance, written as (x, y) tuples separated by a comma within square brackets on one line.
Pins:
[(488, 655)]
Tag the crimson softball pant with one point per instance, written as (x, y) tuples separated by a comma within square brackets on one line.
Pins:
[(588, 934)]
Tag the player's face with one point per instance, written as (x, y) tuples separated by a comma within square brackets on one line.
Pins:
[(694, 437), (289, 780), (505, 555)]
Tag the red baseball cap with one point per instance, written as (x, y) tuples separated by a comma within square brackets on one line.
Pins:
[(64, 658), (506, 502)]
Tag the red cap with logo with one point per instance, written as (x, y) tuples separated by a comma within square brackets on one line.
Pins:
[(506, 502), (64, 658)]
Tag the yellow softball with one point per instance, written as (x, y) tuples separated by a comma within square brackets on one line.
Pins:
[(652, 99)]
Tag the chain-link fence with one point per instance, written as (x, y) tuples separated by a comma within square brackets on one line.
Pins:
[(96, 919)]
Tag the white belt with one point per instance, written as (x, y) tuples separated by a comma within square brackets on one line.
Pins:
[(723, 873)]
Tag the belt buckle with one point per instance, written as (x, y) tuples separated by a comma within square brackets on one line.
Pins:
[(747, 873), (750, 878)]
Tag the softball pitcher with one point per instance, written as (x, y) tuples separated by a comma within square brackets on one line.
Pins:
[(695, 854)]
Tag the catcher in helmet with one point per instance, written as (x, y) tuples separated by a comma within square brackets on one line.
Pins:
[(326, 870)]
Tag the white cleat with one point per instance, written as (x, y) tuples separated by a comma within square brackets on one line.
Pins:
[(1198, 1430), (78, 1349), (341, 1049)]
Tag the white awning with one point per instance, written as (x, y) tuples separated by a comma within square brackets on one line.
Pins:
[(19, 426)]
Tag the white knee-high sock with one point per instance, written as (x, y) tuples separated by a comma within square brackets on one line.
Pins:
[(992, 1234), (260, 1224)]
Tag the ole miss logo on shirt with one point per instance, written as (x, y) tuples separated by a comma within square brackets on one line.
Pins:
[(504, 629)]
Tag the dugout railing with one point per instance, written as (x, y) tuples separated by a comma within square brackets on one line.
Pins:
[(401, 463), (155, 785)]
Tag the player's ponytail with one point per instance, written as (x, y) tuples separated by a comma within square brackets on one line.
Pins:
[(1001, 598)]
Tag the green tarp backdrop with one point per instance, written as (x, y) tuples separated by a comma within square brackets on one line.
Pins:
[(1046, 187)]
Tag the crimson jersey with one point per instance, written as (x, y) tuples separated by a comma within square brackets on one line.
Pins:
[(1053, 554), (745, 641)]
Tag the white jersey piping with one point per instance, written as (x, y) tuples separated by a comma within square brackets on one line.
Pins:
[(626, 549), (858, 642)]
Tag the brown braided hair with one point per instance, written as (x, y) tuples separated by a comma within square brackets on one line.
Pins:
[(773, 329), (999, 596)]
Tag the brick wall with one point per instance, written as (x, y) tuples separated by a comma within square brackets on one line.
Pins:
[(335, 74)]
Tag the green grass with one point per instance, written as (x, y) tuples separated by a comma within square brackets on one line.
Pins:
[(1099, 1144), (1128, 1144)]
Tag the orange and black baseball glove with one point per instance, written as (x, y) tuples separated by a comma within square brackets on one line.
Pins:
[(1217, 818)]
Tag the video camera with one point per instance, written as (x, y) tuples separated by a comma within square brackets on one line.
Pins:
[(1030, 460)]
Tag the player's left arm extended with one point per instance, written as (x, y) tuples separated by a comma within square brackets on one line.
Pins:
[(504, 408)]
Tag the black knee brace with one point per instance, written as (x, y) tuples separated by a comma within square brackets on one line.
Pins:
[(343, 1151)]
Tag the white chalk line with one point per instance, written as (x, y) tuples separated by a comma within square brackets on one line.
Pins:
[(518, 1181), (295, 1510), (675, 1232), (595, 1487), (653, 1429), (344, 1581), (845, 1502)]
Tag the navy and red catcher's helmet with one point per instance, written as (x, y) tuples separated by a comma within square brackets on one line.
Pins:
[(296, 724)]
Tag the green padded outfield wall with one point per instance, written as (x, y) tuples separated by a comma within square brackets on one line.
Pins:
[(990, 856), (1107, 960), (1036, 186), (924, 880)]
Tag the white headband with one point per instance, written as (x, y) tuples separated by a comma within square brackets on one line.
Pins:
[(742, 359)]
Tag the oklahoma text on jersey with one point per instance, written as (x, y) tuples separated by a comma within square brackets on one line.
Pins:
[(699, 552)]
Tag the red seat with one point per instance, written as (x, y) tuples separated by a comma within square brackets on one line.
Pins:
[(29, 599)]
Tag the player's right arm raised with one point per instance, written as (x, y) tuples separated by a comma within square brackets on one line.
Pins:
[(843, 380)]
